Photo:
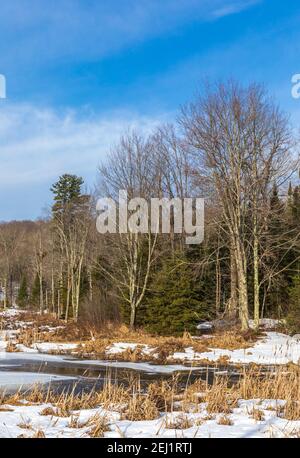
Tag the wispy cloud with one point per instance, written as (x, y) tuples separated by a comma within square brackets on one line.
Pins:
[(39, 38), (39, 144), (34, 32), (233, 8)]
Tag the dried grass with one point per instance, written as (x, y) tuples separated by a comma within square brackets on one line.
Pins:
[(257, 414), (99, 424), (135, 403), (225, 421), (221, 399), (178, 422), (39, 434), (281, 383)]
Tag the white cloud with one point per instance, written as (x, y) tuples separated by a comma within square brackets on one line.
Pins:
[(37, 145), (229, 8)]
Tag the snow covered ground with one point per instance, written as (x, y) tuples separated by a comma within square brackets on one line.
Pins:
[(27, 420), (274, 348)]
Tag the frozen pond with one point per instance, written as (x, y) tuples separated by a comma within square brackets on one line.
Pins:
[(22, 370)]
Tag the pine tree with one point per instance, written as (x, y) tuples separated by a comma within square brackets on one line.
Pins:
[(23, 294), (66, 190), (175, 305)]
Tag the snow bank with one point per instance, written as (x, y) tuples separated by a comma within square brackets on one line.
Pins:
[(45, 347), (243, 425), (274, 348), (120, 347)]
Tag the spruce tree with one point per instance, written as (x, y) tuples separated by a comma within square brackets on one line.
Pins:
[(175, 304)]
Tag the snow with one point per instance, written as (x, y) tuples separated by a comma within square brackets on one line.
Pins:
[(266, 323), (12, 380), (45, 347), (204, 326), (120, 347), (10, 312), (31, 357), (274, 348), (144, 367), (41, 347), (43, 357), (28, 416)]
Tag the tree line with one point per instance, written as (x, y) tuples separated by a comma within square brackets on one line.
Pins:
[(233, 146)]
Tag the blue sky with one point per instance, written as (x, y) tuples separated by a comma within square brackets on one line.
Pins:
[(80, 72)]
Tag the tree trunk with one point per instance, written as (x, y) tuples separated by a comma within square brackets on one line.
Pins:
[(242, 287), (52, 292), (233, 300), (132, 316), (90, 280), (5, 293), (256, 281), (68, 295), (41, 291), (218, 285)]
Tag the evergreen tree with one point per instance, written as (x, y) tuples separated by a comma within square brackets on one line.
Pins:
[(278, 227), (23, 294), (66, 190), (175, 304)]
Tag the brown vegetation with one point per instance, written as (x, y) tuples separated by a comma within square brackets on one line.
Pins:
[(134, 403)]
